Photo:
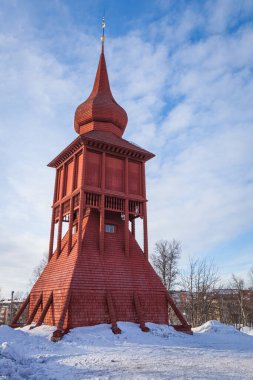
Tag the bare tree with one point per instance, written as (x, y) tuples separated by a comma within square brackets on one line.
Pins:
[(165, 261), (199, 281), (242, 306), (19, 295), (38, 270), (251, 277)]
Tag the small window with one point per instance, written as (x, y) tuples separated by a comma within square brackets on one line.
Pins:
[(110, 228)]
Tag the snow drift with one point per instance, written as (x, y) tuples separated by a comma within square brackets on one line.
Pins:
[(214, 351)]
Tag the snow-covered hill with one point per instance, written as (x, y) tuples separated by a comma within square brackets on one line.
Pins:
[(215, 351)]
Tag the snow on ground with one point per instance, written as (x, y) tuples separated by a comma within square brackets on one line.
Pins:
[(214, 351), (247, 330)]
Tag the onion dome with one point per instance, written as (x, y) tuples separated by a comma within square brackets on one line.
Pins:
[(100, 111)]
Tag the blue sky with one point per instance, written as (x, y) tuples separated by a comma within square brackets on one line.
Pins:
[(183, 71)]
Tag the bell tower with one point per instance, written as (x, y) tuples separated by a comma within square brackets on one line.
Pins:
[(96, 271)]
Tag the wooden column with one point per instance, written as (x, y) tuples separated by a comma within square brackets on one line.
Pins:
[(81, 202), (72, 205), (139, 312), (133, 227), (20, 311), (112, 313), (51, 241), (64, 310), (102, 209), (45, 310), (145, 220), (58, 249), (126, 226), (71, 211), (35, 309)]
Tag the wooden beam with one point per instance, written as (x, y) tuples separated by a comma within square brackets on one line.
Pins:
[(176, 310), (44, 311), (64, 311), (35, 309), (102, 209), (145, 220), (102, 225), (58, 249), (139, 312), (145, 230), (126, 211), (20, 311), (51, 241), (71, 212), (81, 203), (126, 228), (133, 227), (112, 313)]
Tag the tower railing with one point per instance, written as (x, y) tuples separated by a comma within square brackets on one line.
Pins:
[(114, 203)]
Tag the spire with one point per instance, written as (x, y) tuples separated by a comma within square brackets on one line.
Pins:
[(103, 34), (100, 111)]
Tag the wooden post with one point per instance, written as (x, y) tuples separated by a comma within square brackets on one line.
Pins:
[(102, 209), (133, 227), (112, 314), (58, 250), (44, 311), (81, 203), (126, 210), (20, 311), (139, 312), (71, 210), (126, 228), (144, 206), (51, 241), (176, 310), (145, 230), (64, 310), (35, 309)]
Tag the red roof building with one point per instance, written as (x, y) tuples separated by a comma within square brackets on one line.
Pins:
[(97, 272)]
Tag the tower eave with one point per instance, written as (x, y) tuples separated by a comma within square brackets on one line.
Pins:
[(71, 148), (106, 141)]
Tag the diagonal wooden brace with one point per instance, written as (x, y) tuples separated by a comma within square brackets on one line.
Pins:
[(44, 311), (64, 311), (176, 310), (137, 305), (112, 313), (60, 332), (35, 309), (20, 311)]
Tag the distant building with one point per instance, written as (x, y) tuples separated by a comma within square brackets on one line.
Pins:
[(231, 306), (8, 309)]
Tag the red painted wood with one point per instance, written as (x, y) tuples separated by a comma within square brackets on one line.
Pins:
[(93, 169), (20, 311), (101, 106), (114, 173), (100, 180)]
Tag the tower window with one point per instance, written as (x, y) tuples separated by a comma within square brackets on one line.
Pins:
[(110, 228)]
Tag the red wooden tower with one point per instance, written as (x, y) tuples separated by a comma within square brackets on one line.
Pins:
[(97, 273)]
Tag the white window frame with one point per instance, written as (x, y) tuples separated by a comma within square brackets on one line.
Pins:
[(110, 228)]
